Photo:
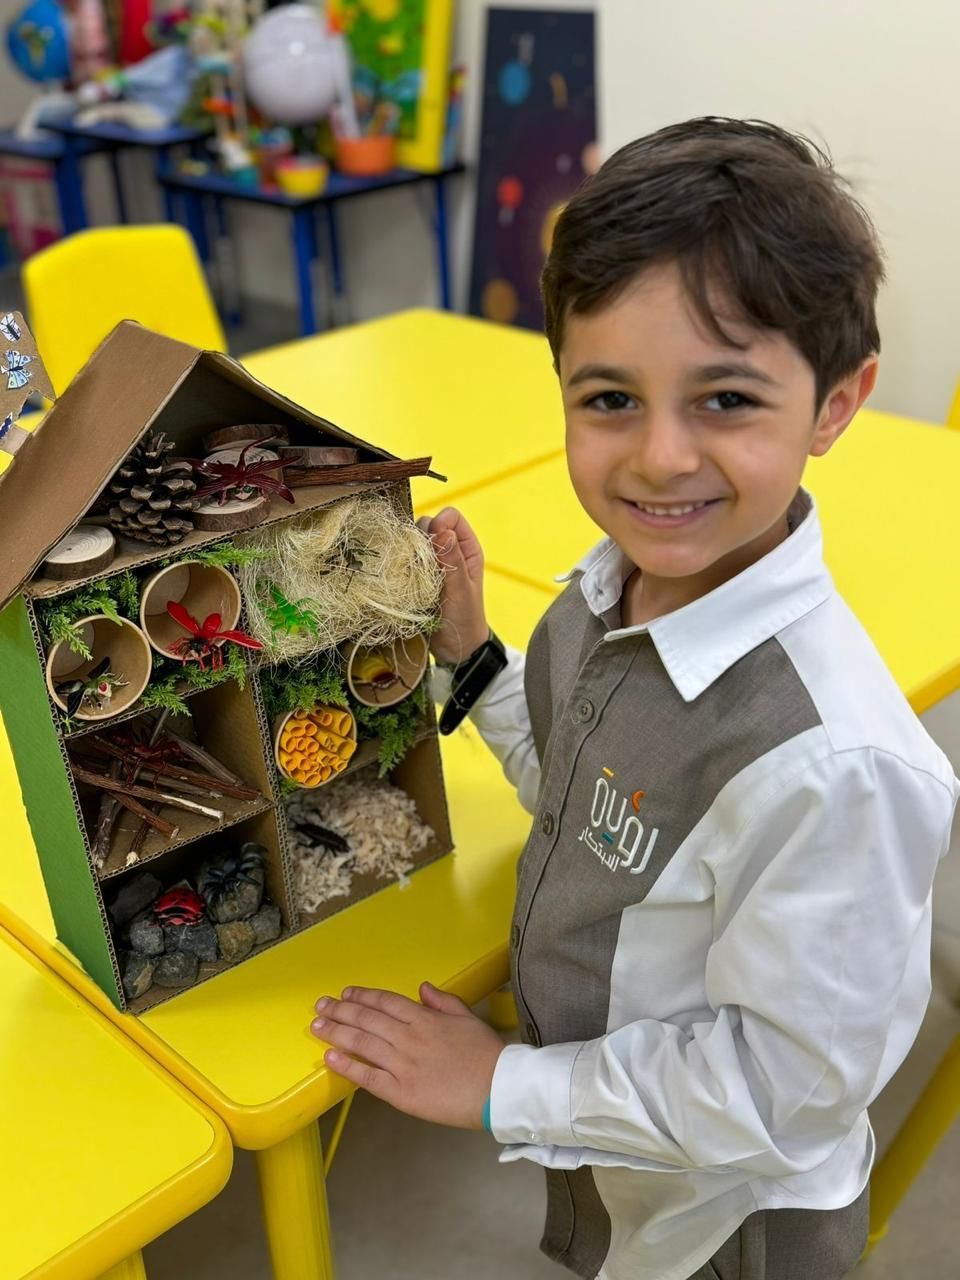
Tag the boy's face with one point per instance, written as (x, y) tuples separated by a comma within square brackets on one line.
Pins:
[(686, 451)]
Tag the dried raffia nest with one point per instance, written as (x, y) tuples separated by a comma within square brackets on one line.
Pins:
[(378, 821), (358, 569)]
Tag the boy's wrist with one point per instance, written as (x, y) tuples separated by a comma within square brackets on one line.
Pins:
[(452, 659)]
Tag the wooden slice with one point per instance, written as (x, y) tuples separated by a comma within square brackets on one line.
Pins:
[(87, 549), (211, 517), (227, 437), (320, 455)]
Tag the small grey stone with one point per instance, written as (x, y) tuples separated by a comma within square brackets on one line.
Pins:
[(266, 923), (198, 940), (236, 940), (137, 973), (176, 970), (133, 897), (240, 902), (146, 936)]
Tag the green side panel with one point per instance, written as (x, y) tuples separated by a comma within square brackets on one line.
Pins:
[(49, 801)]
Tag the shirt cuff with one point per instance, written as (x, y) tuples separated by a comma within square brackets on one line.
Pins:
[(485, 1116), (530, 1095)]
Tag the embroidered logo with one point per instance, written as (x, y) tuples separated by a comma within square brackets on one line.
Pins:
[(614, 835)]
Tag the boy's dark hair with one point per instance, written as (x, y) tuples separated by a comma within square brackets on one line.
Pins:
[(738, 204)]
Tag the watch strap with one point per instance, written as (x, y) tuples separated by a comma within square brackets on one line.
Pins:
[(470, 679)]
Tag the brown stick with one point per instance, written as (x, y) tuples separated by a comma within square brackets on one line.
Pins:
[(361, 472), (106, 820), (206, 784), (153, 820), (197, 753), (124, 790)]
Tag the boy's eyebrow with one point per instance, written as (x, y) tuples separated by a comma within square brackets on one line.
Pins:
[(717, 372), (599, 373)]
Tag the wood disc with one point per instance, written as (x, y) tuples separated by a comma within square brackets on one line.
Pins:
[(323, 455), (89, 548), (211, 517), (248, 433)]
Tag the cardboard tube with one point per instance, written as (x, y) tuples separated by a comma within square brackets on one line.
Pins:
[(130, 659), (407, 659), (309, 760), (202, 589)]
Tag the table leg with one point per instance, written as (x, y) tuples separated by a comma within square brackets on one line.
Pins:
[(196, 224), (161, 167), (114, 159), (443, 247), (294, 1197), (69, 182), (304, 248), (131, 1268)]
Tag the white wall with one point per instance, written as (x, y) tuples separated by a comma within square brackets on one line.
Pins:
[(878, 82)]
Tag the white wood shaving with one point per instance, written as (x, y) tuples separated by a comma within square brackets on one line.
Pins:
[(380, 822)]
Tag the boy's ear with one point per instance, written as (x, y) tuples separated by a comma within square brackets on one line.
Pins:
[(841, 404)]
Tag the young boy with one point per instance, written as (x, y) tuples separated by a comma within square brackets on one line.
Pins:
[(721, 940)]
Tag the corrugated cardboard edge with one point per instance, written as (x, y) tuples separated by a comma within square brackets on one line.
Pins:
[(51, 801)]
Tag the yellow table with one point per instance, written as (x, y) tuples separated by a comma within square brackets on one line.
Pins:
[(101, 1150), (482, 399), (241, 1042), (889, 500)]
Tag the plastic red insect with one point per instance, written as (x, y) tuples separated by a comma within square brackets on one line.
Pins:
[(179, 906), (205, 641), (239, 475)]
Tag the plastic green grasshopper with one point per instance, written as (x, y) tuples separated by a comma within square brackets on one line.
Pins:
[(289, 616)]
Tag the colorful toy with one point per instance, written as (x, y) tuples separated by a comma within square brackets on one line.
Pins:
[(205, 641), (296, 68), (179, 907)]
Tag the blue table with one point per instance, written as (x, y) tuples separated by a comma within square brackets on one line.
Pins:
[(193, 190), (64, 160), (113, 138)]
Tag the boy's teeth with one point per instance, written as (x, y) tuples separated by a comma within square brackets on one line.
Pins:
[(671, 511)]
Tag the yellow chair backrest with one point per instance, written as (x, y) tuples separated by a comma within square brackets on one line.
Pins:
[(84, 285), (953, 416)]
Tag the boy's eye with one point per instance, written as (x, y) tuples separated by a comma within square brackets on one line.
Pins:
[(725, 401), (611, 402)]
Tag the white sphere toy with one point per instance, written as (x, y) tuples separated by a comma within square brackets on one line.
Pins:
[(294, 68)]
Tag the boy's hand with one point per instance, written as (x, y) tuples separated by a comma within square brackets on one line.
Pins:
[(461, 601), (433, 1060)]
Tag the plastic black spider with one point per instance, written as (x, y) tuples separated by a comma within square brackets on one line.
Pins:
[(222, 879)]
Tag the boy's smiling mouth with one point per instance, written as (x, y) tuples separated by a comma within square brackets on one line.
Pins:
[(669, 515)]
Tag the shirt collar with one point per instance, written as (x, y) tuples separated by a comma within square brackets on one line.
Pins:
[(701, 641)]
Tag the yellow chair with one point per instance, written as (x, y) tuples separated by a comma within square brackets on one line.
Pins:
[(79, 288), (953, 415)]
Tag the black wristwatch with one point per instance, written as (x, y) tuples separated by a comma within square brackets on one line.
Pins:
[(470, 678)]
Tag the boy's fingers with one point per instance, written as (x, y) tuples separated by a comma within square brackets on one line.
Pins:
[(390, 1002), (442, 1001), (380, 1083)]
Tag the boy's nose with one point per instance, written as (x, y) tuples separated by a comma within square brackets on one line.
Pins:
[(662, 448)]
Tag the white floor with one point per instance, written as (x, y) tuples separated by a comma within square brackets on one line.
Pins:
[(413, 1202)]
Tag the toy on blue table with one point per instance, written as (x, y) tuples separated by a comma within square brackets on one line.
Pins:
[(296, 67), (38, 41)]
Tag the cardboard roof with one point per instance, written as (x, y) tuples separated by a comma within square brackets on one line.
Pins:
[(108, 406)]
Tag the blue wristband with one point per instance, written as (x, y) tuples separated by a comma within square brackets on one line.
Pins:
[(485, 1118)]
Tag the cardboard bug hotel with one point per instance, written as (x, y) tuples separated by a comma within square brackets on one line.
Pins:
[(215, 624)]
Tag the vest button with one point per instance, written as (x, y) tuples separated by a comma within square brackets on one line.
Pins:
[(546, 823), (585, 710)]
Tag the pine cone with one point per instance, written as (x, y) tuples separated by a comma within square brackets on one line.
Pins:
[(152, 495)]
